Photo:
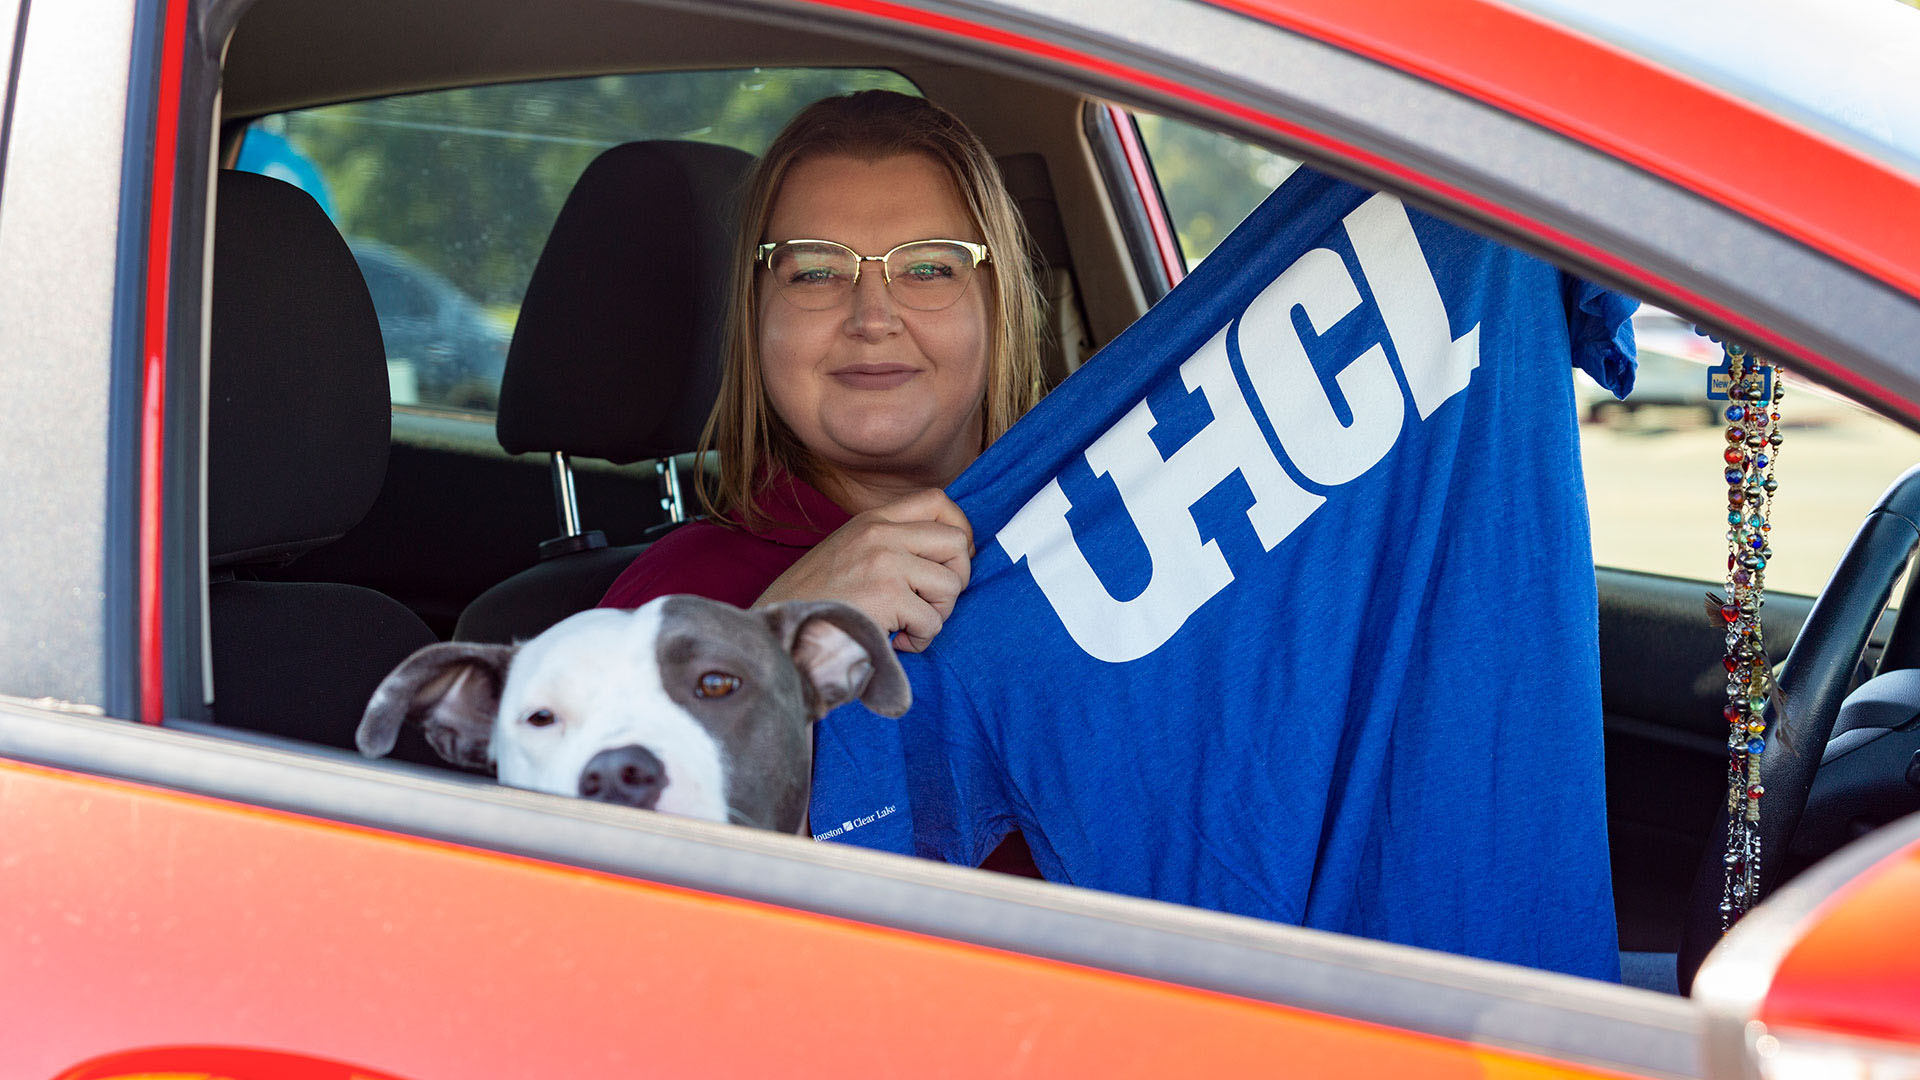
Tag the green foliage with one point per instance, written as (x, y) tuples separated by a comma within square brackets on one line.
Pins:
[(1210, 181), (468, 182)]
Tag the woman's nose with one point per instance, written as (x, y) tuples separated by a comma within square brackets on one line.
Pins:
[(874, 314)]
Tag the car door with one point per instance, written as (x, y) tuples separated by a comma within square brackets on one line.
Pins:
[(249, 891)]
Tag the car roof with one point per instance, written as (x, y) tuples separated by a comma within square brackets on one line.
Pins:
[(1849, 69)]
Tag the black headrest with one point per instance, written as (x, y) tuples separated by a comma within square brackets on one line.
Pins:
[(1031, 186), (298, 412), (617, 351)]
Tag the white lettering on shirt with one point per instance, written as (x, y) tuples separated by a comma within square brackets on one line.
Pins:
[(1159, 492), (1325, 451), (1437, 364)]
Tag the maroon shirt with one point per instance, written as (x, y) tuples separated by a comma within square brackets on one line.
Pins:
[(734, 565)]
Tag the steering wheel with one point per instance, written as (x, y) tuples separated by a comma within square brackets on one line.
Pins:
[(1814, 681)]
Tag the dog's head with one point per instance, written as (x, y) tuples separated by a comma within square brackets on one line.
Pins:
[(685, 705)]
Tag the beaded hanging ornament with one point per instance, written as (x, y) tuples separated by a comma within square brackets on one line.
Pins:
[(1753, 393)]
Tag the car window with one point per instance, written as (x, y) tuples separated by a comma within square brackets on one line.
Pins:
[(446, 198), (1653, 466), (1209, 180), (1652, 461), (396, 295)]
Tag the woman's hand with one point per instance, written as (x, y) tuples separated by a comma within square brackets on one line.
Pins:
[(902, 564)]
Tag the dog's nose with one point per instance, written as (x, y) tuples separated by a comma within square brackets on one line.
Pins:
[(629, 775)]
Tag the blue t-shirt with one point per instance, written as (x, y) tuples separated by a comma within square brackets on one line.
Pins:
[(1285, 604)]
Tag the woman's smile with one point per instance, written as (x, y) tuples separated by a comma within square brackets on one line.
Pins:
[(875, 376)]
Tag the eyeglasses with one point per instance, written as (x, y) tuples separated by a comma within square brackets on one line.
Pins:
[(925, 275)]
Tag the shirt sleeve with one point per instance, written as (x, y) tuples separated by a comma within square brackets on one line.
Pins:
[(925, 784), (960, 808), (1600, 326)]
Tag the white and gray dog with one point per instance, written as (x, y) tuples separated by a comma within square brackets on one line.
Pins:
[(685, 705)]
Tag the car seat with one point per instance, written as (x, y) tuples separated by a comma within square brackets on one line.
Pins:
[(616, 355), (297, 435), (1065, 341)]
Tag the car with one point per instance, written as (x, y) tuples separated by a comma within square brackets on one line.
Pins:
[(1670, 373), (443, 349), (190, 890)]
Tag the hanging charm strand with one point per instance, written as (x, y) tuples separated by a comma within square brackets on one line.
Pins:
[(1753, 442)]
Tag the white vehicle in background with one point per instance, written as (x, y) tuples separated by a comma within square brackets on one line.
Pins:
[(1672, 377)]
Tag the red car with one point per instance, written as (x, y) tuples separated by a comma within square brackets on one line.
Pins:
[(186, 893)]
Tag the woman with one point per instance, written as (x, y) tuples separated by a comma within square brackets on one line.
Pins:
[(884, 332)]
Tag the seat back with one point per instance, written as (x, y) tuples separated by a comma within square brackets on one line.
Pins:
[(616, 354), (1065, 342), (616, 351), (297, 436)]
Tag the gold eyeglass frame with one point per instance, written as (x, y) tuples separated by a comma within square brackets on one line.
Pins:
[(982, 256)]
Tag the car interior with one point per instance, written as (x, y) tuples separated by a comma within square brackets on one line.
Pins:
[(351, 522)]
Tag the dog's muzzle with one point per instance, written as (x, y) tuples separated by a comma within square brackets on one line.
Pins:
[(628, 775)]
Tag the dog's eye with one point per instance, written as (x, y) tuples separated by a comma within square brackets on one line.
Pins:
[(540, 718), (716, 684)]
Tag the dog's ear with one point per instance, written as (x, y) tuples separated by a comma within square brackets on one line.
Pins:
[(841, 655), (452, 689)]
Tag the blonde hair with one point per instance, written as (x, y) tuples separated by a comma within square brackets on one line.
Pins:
[(751, 441)]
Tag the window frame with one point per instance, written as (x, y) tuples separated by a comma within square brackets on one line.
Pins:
[(1132, 188)]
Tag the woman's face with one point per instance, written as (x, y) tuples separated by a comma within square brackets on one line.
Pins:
[(871, 388)]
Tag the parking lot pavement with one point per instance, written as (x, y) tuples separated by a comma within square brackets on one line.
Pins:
[(1658, 499)]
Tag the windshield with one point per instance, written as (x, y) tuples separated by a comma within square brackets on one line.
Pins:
[(1848, 68)]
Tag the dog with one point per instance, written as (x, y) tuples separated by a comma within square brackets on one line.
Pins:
[(685, 705)]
